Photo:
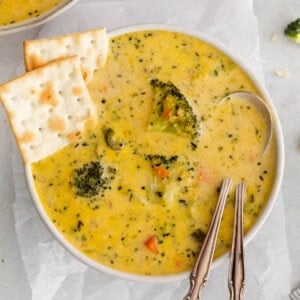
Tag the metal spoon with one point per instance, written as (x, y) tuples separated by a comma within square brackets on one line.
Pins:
[(201, 270), (236, 274), (262, 107)]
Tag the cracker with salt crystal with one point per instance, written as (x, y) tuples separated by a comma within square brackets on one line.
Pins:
[(91, 47), (47, 107)]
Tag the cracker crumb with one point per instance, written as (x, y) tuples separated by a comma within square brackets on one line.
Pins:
[(281, 73), (274, 37)]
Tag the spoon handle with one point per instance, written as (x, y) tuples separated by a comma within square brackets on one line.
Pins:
[(201, 270), (236, 276)]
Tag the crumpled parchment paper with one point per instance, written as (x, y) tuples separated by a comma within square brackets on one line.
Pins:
[(52, 272)]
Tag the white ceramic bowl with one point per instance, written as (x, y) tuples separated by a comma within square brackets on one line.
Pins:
[(35, 21), (266, 210)]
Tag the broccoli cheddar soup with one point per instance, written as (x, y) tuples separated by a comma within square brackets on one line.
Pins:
[(14, 11), (137, 193)]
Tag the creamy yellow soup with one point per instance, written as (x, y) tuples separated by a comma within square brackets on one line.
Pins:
[(13, 11), (137, 194)]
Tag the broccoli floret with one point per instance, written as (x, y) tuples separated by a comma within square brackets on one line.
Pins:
[(162, 160), (171, 111), (199, 235), (292, 31), (89, 179)]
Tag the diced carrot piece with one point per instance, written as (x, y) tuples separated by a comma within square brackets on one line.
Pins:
[(104, 89), (166, 114), (152, 244), (204, 176), (161, 171), (251, 157), (179, 264)]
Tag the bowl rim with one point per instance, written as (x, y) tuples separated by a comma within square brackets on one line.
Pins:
[(267, 208), (36, 21)]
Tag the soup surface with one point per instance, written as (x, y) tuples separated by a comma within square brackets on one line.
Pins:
[(13, 11), (139, 190)]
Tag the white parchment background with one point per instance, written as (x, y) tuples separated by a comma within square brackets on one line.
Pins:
[(52, 272)]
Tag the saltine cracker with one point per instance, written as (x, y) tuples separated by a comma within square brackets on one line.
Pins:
[(90, 46), (47, 107)]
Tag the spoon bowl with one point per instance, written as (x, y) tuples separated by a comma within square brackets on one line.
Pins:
[(263, 109)]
